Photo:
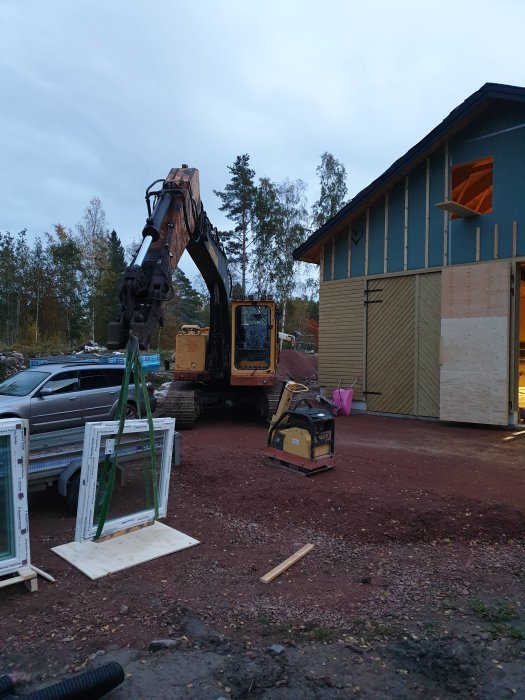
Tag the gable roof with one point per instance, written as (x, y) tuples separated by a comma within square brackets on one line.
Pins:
[(309, 251)]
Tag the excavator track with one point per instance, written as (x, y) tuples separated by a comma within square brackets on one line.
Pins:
[(181, 404)]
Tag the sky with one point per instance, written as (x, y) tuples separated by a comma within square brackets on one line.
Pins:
[(101, 98)]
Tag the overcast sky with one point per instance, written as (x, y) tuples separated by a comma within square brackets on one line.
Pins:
[(100, 98)]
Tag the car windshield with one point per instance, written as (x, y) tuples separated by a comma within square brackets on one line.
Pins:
[(22, 384)]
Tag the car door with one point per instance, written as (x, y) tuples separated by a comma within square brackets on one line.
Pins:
[(57, 404), (100, 388)]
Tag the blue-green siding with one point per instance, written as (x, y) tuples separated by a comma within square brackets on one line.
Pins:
[(396, 228), (327, 262), (357, 260), (417, 186), (341, 256), (436, 215), (376, 239), (498, 133), (494, 136)]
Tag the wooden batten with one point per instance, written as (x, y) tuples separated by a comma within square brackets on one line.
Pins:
[(367, 232), (445, 214), (385, 266), (496, 241), (514, 239), (405, 228), (349, 257), (478, 243), (427, 210)]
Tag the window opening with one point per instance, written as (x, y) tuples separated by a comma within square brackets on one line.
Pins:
[(472, 185)]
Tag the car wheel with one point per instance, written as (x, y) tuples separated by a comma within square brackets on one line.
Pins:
[(131, 411)]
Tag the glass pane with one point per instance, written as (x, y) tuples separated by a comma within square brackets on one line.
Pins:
[(252, 337), (7, 526), (134, 478)]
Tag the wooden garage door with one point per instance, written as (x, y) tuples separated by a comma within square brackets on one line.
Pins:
[(475, 311), (390, 354)]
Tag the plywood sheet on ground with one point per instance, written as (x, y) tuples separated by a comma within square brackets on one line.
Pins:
[(98, 559)]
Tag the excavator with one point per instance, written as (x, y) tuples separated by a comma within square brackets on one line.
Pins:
[(231, 362)]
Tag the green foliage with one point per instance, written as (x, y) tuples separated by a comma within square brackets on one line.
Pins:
[(332, 181), (105, 299), (237, 202)]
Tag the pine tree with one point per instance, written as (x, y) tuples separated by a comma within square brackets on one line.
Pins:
[(237, 202)]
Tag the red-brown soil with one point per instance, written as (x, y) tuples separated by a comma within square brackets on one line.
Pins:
[(414, 588)]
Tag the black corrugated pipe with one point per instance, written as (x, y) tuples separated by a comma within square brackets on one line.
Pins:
[(89, 685)]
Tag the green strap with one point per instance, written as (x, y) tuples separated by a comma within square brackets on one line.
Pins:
[(109, 466)]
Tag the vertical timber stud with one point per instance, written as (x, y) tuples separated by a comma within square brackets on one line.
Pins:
[(514, 239), (321, 270), (349, 261), (385, 265), (333, 259), (445, 213), (478, 243), (496, 241), (514, 350), (405, 228), (427, 211), (367, 231)]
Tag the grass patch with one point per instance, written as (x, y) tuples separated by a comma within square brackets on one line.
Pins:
[(496, 614)]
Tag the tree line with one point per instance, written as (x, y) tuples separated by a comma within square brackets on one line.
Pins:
[(63, 289)]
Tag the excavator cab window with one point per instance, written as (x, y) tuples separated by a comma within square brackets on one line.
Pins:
[(252, 337)]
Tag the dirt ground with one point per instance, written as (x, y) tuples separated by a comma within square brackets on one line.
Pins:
[(414, 588)]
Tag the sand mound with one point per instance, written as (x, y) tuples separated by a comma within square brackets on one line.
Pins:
[(299, 366)]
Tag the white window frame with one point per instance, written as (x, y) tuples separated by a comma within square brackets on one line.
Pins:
[(17, 430), (94, 432)]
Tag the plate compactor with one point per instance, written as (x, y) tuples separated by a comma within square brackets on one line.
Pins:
[(301, 439)]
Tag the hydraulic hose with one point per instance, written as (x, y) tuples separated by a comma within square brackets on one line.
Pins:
[(89, 685)]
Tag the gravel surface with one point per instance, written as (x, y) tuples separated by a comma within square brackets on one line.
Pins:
[(414, 587)]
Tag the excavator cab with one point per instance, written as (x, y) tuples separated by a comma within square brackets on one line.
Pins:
[(255, 343)]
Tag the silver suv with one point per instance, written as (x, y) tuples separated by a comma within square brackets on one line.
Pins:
[(66, 395)]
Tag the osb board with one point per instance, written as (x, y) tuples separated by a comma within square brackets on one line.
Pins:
[(341, 332), (391, 345), (474, 370), (97, 559), (480, 290), (428, 332)]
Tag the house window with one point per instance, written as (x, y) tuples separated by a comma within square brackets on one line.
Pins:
[(472, 186)]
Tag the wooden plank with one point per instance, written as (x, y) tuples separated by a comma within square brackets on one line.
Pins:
[(457, 209), (26, 575), (514, 239), (287, 563), (43, 574), (367, 233), (445, 214), (478, 243), (385, 266), (405, 228), (427, 210), (496, 241)]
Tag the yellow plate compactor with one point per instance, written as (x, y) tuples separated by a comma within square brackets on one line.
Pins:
[(301, 439)]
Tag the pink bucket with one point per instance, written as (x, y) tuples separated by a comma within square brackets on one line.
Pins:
[(342, 399)]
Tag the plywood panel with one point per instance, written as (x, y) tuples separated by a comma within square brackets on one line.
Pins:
[(429, 329), (474, 375), (341, 324), (391, 345)]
